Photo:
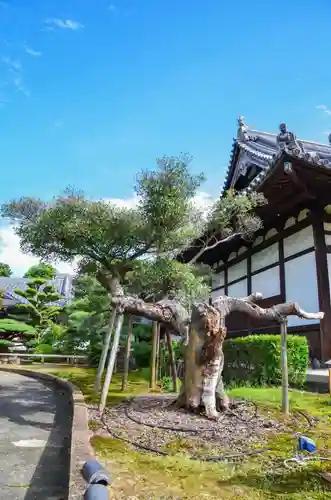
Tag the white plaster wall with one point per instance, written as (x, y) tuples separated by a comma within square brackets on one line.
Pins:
[(237, 271), (267, 282), (301, 286), (238, 289), (265, 257), (218, 279), (217, 293), (299, 241), (327, 227)]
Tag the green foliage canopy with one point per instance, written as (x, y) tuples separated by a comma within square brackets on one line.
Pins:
[(163, 277), (11, 327), (41, 270), (5, 270), (39, 310)]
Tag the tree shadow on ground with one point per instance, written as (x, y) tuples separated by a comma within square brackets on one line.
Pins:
[(51, 476), (52, 409)]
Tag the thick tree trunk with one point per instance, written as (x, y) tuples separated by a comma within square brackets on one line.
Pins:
[(203, 362), (172, 361), (153, 374), (127, 355), (111, 363), (105, 350)]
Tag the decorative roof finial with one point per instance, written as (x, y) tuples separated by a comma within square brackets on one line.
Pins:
[(241, 121), (286, 139), (243, 131)]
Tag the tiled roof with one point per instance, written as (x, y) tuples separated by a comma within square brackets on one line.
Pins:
[(62, 283), (262, 149)]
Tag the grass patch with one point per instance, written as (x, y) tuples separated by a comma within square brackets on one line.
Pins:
[(146, 476)]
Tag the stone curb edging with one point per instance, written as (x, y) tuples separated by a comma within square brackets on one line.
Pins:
[(81, 449)]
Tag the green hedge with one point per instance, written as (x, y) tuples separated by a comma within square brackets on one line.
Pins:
[(255, 360)]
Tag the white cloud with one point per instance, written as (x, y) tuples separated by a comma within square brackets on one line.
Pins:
[(324, 108), (11, 63), (11, 254), (18, 84), (64, 24), (31, 52), (124, 203)]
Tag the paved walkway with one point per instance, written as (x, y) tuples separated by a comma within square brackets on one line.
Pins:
[(35, 426)]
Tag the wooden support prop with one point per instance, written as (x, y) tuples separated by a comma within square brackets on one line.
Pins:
[(284, 366), (111, 363), (127, 355), (172, 362), (105, 350), (157, 361), (152, 382)]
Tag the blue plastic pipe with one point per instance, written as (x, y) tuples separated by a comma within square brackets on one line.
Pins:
[(94, 473), (96, 492)]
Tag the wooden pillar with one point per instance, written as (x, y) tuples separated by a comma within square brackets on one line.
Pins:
[(249, 285), (322, 284), (225, 278), (249, 272), (282, 283)]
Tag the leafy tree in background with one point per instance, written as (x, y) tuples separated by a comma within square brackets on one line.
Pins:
[(5, 270), (42, 270), (11, 329), (87, 317), (39, 309)]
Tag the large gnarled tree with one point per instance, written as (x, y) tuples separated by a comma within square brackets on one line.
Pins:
[(111, 242)]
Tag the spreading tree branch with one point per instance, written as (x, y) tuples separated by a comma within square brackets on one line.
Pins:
[(277, 313)]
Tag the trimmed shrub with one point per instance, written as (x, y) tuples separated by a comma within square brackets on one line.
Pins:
[(255, 360), (44, 349)]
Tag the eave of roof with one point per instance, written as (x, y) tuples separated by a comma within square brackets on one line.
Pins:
[(263, 146), (258, 181)]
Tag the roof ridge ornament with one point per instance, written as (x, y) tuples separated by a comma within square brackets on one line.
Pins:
[(243, 131), (287, 140)]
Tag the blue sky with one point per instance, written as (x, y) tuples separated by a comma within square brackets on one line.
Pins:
[(94, 90), (91, 91)]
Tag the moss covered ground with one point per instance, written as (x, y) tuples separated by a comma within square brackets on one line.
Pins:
[(145, 476)]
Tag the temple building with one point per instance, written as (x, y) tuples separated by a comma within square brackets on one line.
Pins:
[(290, 258)]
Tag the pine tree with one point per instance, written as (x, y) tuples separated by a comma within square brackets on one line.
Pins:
[(40, 309)]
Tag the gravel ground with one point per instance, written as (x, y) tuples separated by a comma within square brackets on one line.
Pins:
[(150, 421)]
